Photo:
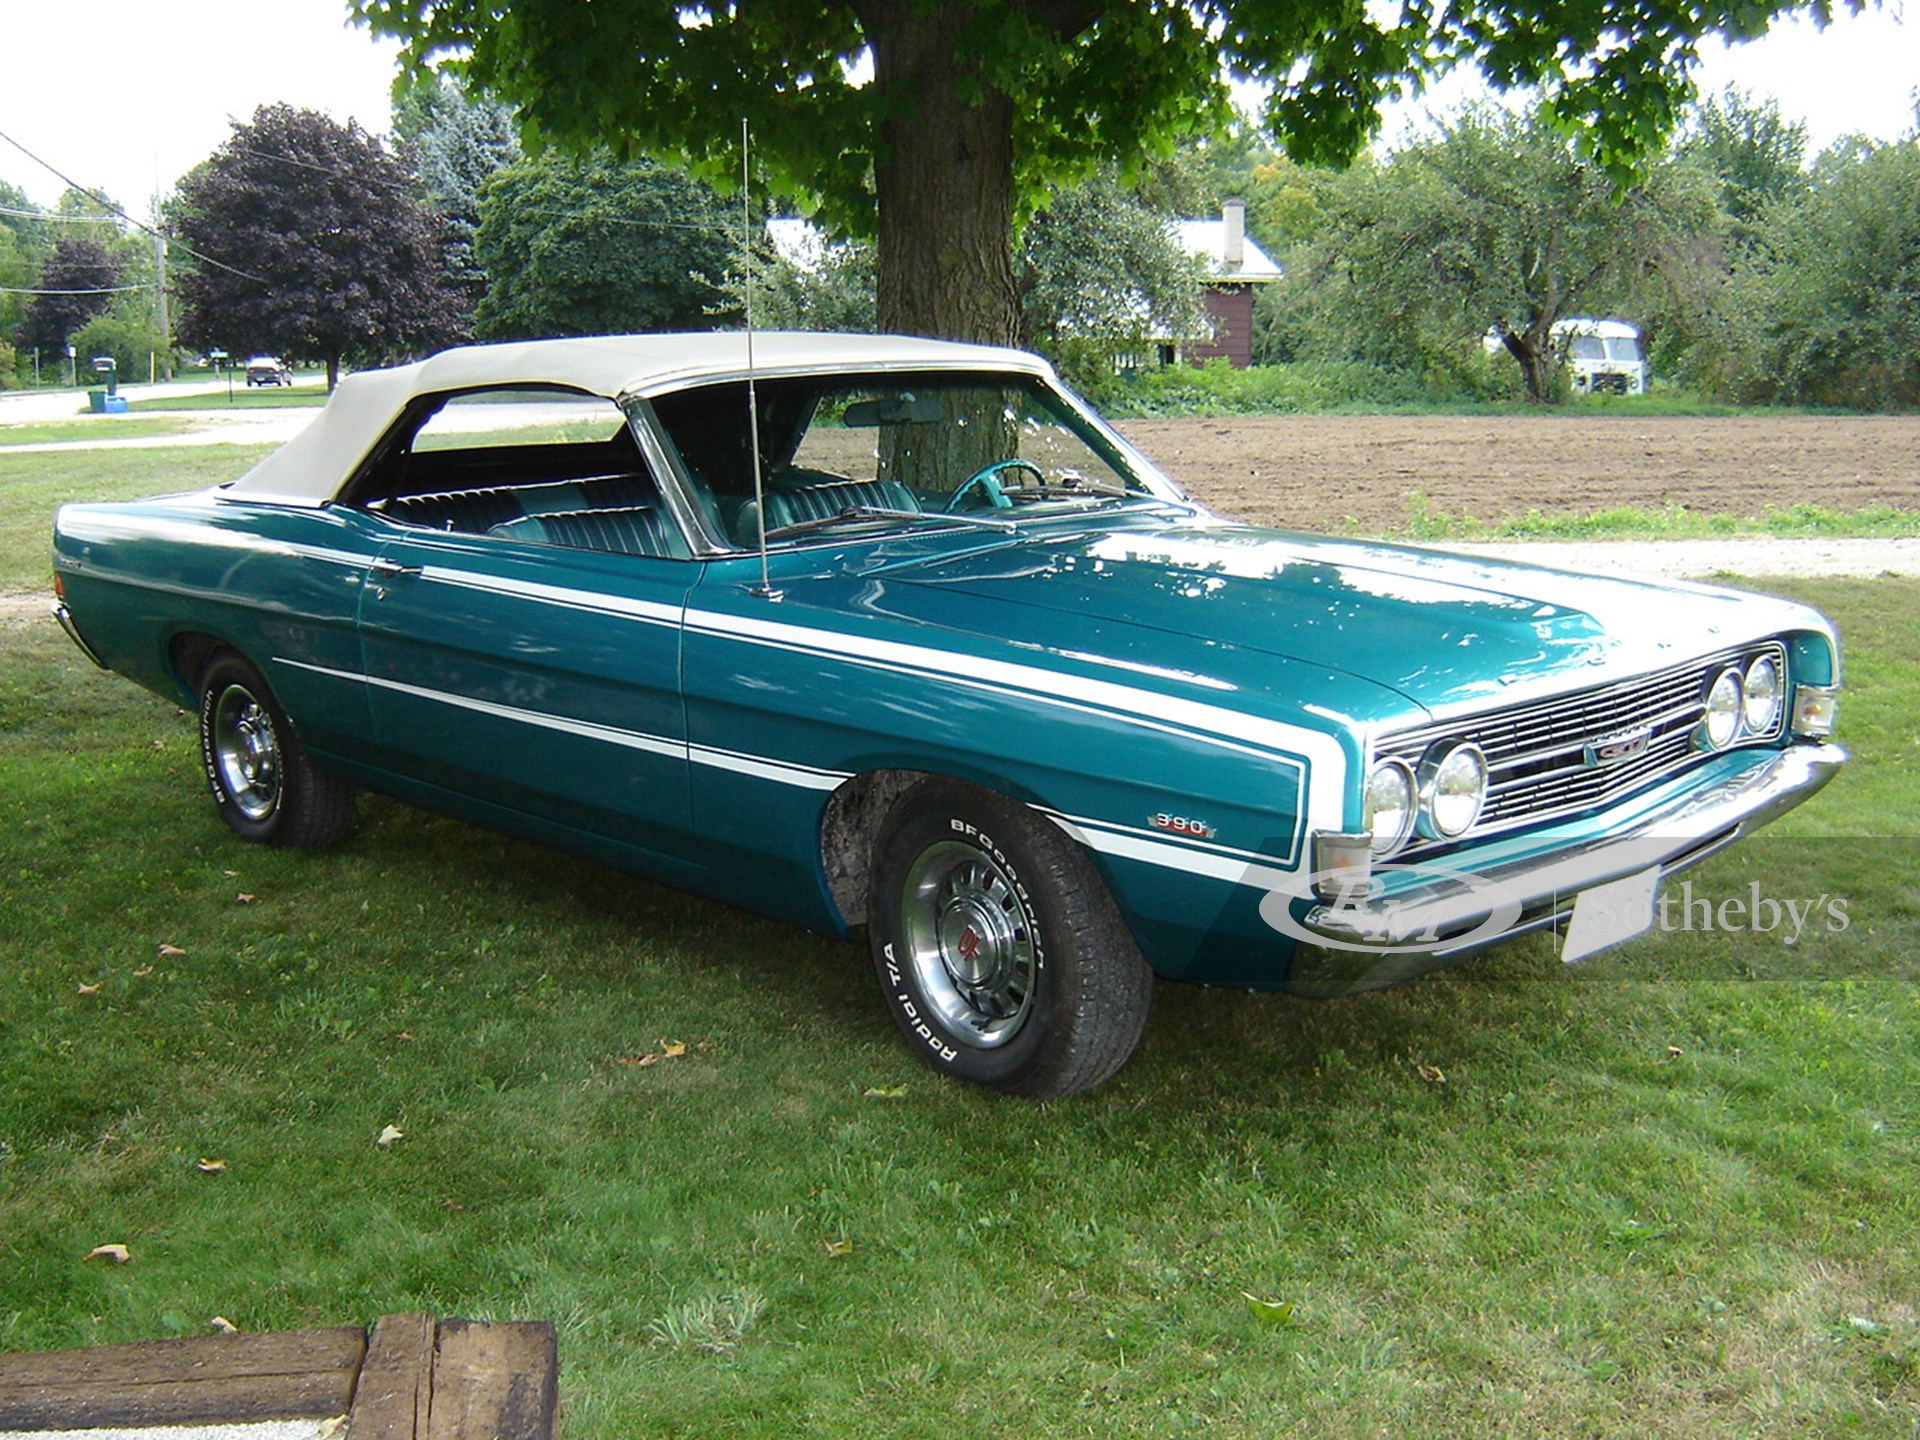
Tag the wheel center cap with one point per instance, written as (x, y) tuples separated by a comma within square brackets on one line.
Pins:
[(973, 941)]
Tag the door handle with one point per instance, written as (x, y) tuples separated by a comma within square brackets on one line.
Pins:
[(384, 569)]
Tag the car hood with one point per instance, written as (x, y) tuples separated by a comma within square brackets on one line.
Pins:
[(1445, 631)]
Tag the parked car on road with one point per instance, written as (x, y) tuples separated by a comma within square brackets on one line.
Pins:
[(268, 370), (897, 636)]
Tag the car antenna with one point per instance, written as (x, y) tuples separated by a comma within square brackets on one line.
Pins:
[(765, 589)]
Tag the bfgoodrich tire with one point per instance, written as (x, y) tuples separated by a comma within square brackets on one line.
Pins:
[(263, 785), (998, 950)]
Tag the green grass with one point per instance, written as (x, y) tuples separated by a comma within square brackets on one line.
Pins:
[(1645, 1196), (243, 397), (1354, 388), (33, 485), (1671, 522), (91, 428)]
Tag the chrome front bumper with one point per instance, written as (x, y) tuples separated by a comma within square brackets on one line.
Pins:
[(1460, 905)]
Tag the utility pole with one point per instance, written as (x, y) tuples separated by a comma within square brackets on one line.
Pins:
[(160, 300)]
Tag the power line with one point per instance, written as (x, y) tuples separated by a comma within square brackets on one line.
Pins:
[(140, 225), (59, 218), (96, 290)]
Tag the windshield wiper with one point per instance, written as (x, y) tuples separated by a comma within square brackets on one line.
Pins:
[(1078, 490), (857, 513)]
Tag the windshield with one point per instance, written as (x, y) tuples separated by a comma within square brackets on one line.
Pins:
[(887, 451)]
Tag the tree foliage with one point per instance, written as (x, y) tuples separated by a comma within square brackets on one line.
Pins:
[(825, 285), (1102, 275), (128, 334), (591, 245), (1828, 310), (457, 143), (935, 126), (75, 284), (317, 246), (1495, 224), (1757, 157)]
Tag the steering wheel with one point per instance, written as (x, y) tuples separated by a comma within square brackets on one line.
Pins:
[(987, 481)]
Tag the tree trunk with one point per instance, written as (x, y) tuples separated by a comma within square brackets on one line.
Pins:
[(944, 180), (1533, 349)]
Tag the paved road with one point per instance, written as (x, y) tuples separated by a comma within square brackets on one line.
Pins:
[(216, 425), (19, 407)]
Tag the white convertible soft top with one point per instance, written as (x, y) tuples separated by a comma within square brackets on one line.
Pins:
[(310, 468)]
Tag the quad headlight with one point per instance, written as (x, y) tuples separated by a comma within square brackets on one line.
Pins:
[(1389, 811), (1725, 701), (1453, 787), (1763, 696), (1744, 704)]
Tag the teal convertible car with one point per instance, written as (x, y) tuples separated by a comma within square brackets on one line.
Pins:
[(897, 635)]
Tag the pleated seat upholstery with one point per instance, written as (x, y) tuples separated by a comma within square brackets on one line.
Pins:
[(620, 530)]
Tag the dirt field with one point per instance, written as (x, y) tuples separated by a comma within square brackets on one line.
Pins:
[(1319, 472)]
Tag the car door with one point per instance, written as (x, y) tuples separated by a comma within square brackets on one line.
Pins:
[(534, 680)]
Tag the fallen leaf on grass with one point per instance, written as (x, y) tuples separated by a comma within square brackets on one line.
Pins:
[(223, 1326), (389, 1136), (244, 898), (669, 1050), (93, 989), (884, 1092), (118, 1254), (210, 1167), (837, 1248), (169, 952), (1432, 1074), (143, 972), (1674, 1052), (1271, 1313)]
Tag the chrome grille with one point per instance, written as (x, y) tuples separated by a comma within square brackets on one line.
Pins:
[(1538, 753)]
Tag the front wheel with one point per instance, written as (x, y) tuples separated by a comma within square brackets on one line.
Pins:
[(998, 950), (263, 785)]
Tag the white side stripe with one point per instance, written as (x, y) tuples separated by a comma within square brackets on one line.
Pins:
[(651, 612), (780, 772), (1271, 741), (1232, 867)]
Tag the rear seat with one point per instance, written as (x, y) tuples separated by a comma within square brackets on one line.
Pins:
[(477, 511), (620, 530)]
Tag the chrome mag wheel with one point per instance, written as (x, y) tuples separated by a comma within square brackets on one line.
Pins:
[(246, 750), (969, 942)]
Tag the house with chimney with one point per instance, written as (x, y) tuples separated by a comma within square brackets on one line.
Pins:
[(1236, 267)]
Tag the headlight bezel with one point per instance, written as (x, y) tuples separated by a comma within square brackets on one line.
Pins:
[(1720, 718), (1391, 843), (1763, 678), (1440, 813)]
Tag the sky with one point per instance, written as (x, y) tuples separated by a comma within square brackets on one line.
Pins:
[(125, 96)]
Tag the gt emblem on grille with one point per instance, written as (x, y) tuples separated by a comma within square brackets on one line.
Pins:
[(1616, 748)]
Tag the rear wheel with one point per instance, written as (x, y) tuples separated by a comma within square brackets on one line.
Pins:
[(998, 949), (263, 785)]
